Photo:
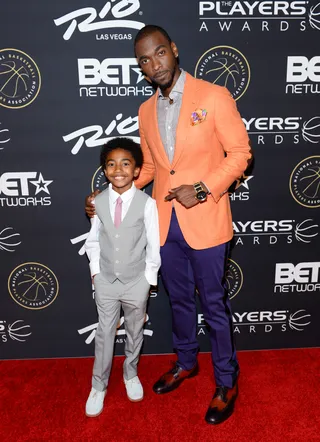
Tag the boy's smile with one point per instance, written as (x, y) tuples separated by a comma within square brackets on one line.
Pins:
[(121, 170)]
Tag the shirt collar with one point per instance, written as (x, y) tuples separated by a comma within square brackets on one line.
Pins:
[(178, 87), (126, 196)]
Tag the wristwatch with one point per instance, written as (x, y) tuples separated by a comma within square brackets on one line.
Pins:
[(201, 194)]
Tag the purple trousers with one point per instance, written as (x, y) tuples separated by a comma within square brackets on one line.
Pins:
[(183, 269)]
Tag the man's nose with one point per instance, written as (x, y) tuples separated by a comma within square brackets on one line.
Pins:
[(156, 65)]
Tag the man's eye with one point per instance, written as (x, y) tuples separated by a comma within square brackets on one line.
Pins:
[(144, 61), (162, 52)]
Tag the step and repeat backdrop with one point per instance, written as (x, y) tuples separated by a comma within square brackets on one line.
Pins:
[(69, 82)]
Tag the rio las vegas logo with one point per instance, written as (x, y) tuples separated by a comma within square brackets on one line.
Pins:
[(114, 14), (264, 16), (90, 330), (95, 135)]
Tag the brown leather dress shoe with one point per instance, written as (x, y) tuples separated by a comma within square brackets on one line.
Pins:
[(222, 404), (173, 378)]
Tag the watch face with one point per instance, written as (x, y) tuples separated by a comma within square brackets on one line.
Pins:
[(202, 195)]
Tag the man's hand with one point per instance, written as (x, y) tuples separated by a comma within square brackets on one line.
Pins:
[(185, 195), (89, 207)]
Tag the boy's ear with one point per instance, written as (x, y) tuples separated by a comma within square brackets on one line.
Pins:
[(136, 172)]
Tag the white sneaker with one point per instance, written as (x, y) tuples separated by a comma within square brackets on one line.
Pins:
[(134, 389), (94, 405)]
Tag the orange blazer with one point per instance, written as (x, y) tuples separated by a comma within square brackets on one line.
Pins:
[(216, 151)]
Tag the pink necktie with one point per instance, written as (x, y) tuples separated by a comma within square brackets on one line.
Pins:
[(117, 213)]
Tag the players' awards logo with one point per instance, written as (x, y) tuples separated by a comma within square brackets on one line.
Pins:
[(225, 66), (20, 79), (33, 286), (305, 182), (98, 181), (234, 278)]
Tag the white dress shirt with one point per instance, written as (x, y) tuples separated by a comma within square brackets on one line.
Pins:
[(153, 260)]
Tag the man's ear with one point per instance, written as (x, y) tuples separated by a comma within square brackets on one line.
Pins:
[(174, 49)]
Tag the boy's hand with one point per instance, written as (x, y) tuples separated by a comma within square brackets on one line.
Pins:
[(89, 207)]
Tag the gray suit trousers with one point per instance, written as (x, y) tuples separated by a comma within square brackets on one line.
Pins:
[(110, 297)]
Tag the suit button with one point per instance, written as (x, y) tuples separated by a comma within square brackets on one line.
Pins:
[(172, 172)]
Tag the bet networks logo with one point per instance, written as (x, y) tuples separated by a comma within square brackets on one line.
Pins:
[(22, 189), (109, 17), (303, 75), (254, 16), (279, 129), (273, 232), (94, 136), (297, 278), (111, 78), (16, 331), (92, 329), (9, 240), (237, 191)]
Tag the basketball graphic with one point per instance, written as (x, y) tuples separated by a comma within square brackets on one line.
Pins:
[(306, 230), (299, 320), (19, 332), (304, 182), (233, 278), (20, 79), (33, 286), (311, 130), (9, 240), (225, 66), (314, 17), (311, 182)]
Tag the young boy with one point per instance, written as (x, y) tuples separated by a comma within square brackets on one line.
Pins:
[(123, 248)]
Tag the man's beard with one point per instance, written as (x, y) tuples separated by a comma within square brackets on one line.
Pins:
[(165, 86)]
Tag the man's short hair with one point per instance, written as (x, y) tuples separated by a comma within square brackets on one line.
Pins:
[(125, 144), (148, 30)]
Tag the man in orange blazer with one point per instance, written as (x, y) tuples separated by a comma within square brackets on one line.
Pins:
[(194, 145)]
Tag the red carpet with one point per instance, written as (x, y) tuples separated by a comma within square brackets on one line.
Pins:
[(43, 400)]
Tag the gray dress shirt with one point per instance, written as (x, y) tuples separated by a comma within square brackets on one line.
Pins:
[(168, 115)]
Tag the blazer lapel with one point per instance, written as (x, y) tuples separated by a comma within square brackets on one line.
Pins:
[(189, 104)]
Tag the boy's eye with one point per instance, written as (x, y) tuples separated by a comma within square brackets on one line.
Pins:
[(126, 164)]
